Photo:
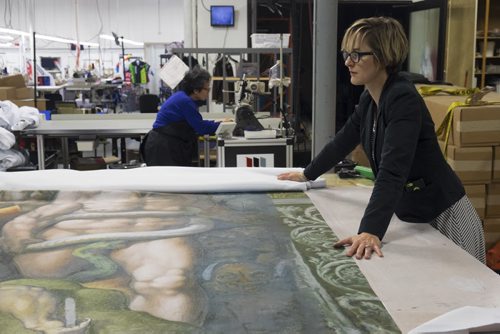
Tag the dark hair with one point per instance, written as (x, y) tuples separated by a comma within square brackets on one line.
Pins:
[(194, 79)]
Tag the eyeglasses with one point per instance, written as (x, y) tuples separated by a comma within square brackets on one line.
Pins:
[(355, 55)]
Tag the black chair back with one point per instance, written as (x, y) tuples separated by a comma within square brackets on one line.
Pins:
[(148, 103)]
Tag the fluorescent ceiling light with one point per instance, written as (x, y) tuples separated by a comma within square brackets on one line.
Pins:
[(45, 37), (64, 40), (14, 32), (6, 45), (126, 41), (6, 38)]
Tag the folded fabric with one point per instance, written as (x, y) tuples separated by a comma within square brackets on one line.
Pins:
[(28, 117), (9, 114), (7, 139), (11, 158), (463, 320)]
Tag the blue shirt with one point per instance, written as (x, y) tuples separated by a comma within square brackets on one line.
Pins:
[(181, 107)]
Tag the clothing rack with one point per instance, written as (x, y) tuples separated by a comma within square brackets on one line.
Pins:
[(253, 54), (131, 57)]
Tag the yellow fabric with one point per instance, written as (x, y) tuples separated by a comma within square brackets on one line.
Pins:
[(443, 131), (433, 90)]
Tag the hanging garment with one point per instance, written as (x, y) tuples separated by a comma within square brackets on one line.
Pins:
[(218, 86), (139, 72)]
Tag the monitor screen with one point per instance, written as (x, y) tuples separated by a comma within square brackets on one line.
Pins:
[(222, 16), (50, 63)]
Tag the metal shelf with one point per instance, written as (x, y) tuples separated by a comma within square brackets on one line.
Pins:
[(253, 53)]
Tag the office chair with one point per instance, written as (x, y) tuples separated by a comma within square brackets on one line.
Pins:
[(52, 99), (148, 103)]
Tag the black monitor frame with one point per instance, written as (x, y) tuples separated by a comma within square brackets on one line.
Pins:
[(217, 10)]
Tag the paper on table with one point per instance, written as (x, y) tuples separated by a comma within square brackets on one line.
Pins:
[(173, 71), (464, 320)]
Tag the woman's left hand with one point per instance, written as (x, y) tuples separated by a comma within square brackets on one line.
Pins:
[(362, 245)]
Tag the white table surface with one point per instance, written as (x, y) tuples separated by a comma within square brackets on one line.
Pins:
[(422, 274)]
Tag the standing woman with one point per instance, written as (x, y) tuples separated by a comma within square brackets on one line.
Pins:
[(397, 133), (174, 138)]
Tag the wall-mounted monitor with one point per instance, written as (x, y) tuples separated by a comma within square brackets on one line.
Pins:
[(222, 16)]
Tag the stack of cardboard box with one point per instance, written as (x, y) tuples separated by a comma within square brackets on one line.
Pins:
[(473, 151), (13, 88)]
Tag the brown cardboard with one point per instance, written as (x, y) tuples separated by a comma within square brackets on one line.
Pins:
[(491, 231), (492, 97), (493, 200), (471, 164), (41, 103), (477, 195), (496, 163), (472, 125), (358, 155), (7, 93), (25, 93), (15, 80)]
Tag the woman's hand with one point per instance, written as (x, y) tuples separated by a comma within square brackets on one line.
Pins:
[(362, 245), (293, 176)]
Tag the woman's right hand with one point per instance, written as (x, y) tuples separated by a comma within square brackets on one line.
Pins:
[(293, 176)]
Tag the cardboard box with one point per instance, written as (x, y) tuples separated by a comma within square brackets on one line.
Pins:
[(496, 163), (477, 195), (493, 200), (472, 125), (491, 231), (269, 40), (471, 164), (15, 80), (86, 145), (7, 93), (358, 155), (25, 93), (41, 103)]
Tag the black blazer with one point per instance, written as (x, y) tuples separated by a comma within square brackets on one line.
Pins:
[(401, 144)]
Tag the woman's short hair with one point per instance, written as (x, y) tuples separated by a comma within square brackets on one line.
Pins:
[(195, 79), (384, 36)]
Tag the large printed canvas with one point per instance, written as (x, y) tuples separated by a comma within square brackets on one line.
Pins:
[(137, 262)]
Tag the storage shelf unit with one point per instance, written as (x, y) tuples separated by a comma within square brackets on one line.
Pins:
[(487, 60), (254, 55)]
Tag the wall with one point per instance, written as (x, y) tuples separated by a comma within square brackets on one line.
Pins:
[(217, 37), (154, 22), (201, 35)]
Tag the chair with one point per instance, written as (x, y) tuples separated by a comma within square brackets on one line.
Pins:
[(148, 103), (52, 99)]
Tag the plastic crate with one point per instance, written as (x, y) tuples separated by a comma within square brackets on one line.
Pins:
[(269, 40)]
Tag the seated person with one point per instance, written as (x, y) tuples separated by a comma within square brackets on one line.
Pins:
[(173, 139)]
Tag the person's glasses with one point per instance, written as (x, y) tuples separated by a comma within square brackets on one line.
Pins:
[(355, 55)]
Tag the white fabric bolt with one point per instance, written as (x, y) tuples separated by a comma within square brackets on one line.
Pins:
[(171, 179), (9, 114), (9, 159), (28, 117), (7, 139)]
